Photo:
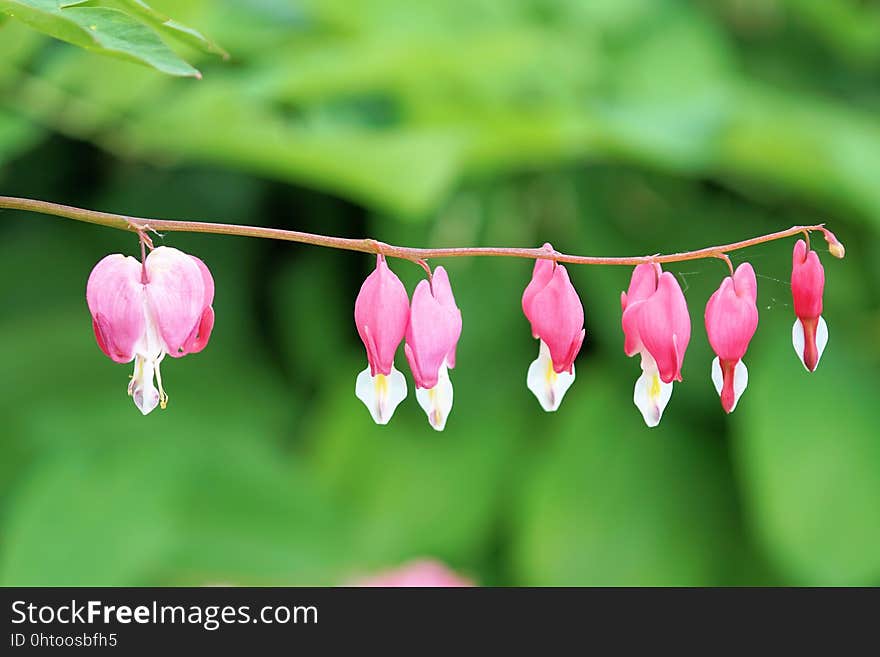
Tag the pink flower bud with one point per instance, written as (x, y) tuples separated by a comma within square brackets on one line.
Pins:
[(655, 324), (431, 338), (553, 308), (835, 246), (381, 314), (142, 312), (731, 320), (809, 333)]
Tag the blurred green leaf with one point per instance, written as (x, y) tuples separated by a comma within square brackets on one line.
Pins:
[(806, 146), (850, 27), (407, 169), (103, 30), (659, 111), (142, 10)]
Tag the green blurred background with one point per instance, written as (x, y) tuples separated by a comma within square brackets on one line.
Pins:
[(607, 127)]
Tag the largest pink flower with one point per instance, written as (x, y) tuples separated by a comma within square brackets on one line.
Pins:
[(145, 311), (657, 326)]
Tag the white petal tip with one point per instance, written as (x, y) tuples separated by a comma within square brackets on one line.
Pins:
[(145, 400), (548, 386), (798, 340), (740, 381), (141, 388), (437, 401), (381, 394), (651, 394)]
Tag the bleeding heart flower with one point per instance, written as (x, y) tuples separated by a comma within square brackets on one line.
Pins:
[(554, 310), (731, 321), (431, 338), (809, 333), (656, 325), (381, 313), (142, 312)]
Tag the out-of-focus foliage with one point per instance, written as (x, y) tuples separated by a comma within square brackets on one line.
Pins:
[(605, 126), (129, 29)]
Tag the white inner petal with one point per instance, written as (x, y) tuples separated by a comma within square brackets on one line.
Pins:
[(651, 394), (740, 380), (381, 394), (145, 395), (717, 375), (798, 339), (821, 338), (437, 401), (149, 352), (150, 346), (545, 383)]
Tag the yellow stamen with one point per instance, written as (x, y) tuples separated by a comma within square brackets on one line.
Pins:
[(654, 391), (551, 373), (436, 415), (381, 385)]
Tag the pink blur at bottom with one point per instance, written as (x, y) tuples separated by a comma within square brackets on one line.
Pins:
[(420, 573)]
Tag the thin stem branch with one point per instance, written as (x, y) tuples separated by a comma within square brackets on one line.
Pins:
[(141, 225), (726, 259)]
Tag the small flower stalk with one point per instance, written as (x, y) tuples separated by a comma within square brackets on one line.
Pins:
[(142, 312), (381, 314), (731, 320), (809, 335), (657, 326), (556, 315), (431, 338)]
